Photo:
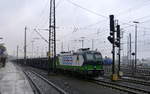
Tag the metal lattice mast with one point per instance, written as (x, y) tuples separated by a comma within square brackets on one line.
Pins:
[(52, 37), (25, 45)]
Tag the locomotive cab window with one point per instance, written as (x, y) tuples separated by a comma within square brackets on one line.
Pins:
[(98, 57), (89, 57)]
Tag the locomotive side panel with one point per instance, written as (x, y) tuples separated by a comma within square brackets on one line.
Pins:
[(71, 60), (3, 55)]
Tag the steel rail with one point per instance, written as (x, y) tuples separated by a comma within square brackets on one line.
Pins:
[(34, 84)]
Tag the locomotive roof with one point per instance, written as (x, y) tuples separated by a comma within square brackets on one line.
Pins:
[(80, 51)]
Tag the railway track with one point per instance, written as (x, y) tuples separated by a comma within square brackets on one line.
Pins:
[(132, 80), (142, 77), (122, 87), (137, 81), (125, 86), (42, 85)]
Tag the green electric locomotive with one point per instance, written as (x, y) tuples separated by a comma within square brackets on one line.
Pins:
[(84, 61)]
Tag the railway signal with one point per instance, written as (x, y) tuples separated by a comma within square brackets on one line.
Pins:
[(118, 36), (115, 43), (111, 39), (112, 30), (112, 25), (119, 49)]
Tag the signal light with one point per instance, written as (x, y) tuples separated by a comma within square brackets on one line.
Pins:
[(111, 33), (117, 43), (133, 53), (110, 38)]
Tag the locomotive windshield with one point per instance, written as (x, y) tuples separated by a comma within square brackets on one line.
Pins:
[(89, 57), (93, 57), (98, 57)]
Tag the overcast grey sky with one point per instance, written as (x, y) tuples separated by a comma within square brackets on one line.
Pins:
[(71, 21)]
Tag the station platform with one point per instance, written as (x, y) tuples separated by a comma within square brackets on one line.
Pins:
[(13, 80)]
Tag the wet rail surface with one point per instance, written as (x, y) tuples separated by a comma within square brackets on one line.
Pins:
[(124, 86), (13, 80), (43, 86)]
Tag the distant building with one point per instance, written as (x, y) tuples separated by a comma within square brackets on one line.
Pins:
[(145, 63), (126, 61)]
